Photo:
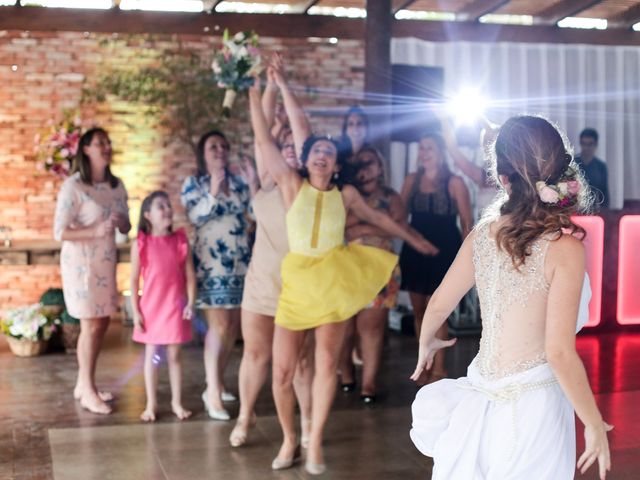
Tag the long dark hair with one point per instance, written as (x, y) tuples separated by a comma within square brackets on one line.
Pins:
[(82, 162), (445, 171), (144, 225), (359, 111), (200, 162), (527, 150), (342, 153)]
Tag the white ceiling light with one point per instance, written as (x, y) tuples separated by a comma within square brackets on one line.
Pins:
[(580, 22)]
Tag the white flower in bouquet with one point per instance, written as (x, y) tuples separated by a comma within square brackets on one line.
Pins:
[(235, 65)]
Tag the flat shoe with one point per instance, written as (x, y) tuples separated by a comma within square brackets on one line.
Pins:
[(368, 399)]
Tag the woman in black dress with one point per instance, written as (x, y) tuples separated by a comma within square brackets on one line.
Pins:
[(435, 199)]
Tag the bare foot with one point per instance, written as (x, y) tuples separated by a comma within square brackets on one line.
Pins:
[(104, 396), (149, 415), (180, 411), (94, 404)]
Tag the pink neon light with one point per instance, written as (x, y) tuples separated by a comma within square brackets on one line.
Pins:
[(629, 271), (594, 246)]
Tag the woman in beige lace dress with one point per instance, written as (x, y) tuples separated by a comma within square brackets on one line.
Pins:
[(92, 203)]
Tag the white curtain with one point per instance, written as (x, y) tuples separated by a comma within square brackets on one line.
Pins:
[(576, 86)]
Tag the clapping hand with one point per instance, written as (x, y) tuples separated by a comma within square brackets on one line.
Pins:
[(427, 353)]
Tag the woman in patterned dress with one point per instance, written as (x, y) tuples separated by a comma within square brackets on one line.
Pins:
[(217, 204), (92, 203)]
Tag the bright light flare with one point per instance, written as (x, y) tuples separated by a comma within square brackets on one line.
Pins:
[(467, 107)]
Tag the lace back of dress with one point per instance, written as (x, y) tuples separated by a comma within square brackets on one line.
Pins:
[(513, 305)]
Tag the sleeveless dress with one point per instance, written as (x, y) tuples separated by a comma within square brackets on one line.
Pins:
[(164, 293), (263, 283), (324, 281), (88, 267), (434, 215), (508, 418)]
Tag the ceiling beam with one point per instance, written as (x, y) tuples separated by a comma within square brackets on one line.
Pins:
[(292, 26), (565, 8), (398, 5), (477, 8), (625, 19)]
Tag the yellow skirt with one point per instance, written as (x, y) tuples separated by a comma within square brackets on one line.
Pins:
[(332, 288)]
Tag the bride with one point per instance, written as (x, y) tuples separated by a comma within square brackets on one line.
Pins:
[(512, 416)]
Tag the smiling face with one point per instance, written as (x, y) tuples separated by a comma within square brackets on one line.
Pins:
[(99, 151), (429, 155), (356, 129), (216, 153), (160, 214), (322, 160), (369, 171)]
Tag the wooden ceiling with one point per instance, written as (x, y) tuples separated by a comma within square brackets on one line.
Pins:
[(619, 13)]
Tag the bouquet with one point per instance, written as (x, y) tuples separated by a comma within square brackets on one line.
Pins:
[(28, 323), (56, 146), (235, 65)]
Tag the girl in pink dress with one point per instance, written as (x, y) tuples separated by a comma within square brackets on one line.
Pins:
[(162, 315)]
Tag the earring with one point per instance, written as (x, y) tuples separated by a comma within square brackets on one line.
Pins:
[(335, 176)]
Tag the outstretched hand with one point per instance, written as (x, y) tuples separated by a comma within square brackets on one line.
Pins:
[(427, 353), (596, 448)]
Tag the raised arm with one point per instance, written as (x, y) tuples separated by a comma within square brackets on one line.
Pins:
[(456, 283), (474, 172), (353, 202), (272, 160), (297, 118), (566, 258), (397, 214)]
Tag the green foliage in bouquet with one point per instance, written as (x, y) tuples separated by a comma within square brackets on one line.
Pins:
[(68, 319)]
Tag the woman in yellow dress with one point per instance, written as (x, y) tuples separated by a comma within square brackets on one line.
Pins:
[(324, 281)]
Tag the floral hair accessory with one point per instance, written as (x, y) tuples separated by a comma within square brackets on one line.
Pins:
[(562, 193)]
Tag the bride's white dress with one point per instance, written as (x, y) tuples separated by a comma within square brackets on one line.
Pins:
[(508, 418)]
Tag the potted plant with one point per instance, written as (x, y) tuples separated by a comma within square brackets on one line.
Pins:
[(27, 330), (70, 331)]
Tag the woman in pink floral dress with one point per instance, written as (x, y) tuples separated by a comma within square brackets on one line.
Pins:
[(92, 203)]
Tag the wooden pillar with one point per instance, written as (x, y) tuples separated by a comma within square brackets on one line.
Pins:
[(377, 82)]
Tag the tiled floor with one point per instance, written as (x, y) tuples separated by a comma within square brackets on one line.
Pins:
[(44, 434)]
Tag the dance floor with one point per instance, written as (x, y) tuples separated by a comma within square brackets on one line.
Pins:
[(44, 434)]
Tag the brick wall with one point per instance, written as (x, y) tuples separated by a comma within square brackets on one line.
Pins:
[(49, 73)]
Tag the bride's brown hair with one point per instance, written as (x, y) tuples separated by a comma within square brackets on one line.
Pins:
[(527, 150)]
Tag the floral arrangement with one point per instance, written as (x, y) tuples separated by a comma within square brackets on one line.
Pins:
[(563, 193), (28, 323), (56, 146), (235, 65)]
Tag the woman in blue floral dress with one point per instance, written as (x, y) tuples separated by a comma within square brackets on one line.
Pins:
[(217, 204)]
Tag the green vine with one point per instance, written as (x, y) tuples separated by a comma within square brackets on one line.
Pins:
[(176, 88)]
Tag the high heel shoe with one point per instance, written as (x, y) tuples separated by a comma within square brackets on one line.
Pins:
[(239, 435), (228, 397), (368, 398), (214, 413), (280, 464), (315, 468)]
